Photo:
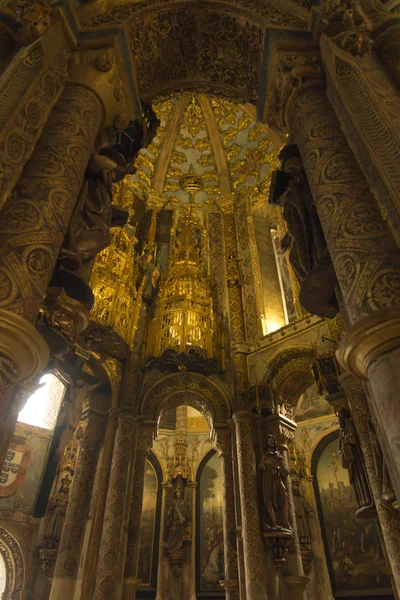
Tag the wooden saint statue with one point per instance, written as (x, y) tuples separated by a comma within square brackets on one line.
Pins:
[(176, 520), (305, 241), (275, 498)]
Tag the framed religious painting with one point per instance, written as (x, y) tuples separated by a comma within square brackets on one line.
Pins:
[(209, 530), (353, 550), (149, 529)]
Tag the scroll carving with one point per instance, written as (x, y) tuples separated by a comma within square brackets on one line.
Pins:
[(366, 103), (35, 218)]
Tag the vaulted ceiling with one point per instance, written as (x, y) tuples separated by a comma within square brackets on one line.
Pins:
[(205, 149)]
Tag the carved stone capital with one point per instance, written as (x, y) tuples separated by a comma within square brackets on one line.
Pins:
[(281, 428), (99, 70), (67, 316), (223, 442), (294, 66), (368, 339)]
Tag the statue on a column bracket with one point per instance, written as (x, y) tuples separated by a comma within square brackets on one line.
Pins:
[(305, 240), (275, 498), (352, 460), (176, 520)]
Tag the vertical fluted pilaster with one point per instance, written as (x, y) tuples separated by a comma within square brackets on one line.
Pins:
[(109, 572)]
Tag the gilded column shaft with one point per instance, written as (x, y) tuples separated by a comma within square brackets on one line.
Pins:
[(254, 552), (110, 560), (365, 256), (388, 517), (231, 583), (35, 218), (235, 300), (90, 433)]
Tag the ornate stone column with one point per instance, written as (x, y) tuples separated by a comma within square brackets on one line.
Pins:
[(283, 430), (33, 223), (110, 559), (388, 517), (161, 571), (89, 434), (364, 253), (224, 447), (143, 443), (254, 551)]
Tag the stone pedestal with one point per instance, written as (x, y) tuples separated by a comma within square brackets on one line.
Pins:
[(254, 551), (296, 586)]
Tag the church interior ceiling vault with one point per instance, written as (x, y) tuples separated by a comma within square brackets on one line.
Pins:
[(206, 148)]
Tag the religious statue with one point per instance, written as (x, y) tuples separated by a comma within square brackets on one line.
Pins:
[(150, 275), (275, 498), (352, 460), (305, 241), (176, 519), (78, 392), (94, 213)]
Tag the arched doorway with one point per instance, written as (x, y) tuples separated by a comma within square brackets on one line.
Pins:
[(185, 409)]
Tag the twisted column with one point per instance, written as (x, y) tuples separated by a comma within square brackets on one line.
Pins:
[(110, 561), (388, 517), (254, 552), (143, 443), (89, 433), (231, 582)]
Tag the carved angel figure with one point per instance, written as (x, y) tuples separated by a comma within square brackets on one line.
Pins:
[(275, 499)]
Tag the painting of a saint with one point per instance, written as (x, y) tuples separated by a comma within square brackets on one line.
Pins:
[(147, 523), (211, 531), (357, 563)]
